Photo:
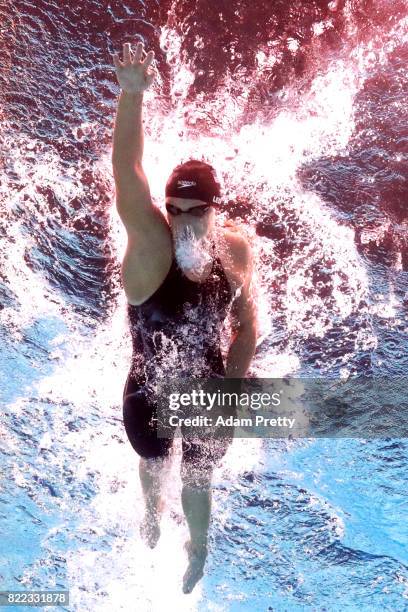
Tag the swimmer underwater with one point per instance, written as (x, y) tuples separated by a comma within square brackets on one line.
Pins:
[(183, 275)]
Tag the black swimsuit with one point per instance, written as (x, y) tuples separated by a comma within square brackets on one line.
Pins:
[(175, 331)]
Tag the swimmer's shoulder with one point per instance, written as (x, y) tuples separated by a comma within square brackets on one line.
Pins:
[(237, 239), (238, 256)]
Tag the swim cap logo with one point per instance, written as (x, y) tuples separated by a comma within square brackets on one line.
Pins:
[(182, 184)]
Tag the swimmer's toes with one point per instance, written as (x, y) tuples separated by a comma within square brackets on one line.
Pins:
[(150, 532), (195, 569), (191, 577)]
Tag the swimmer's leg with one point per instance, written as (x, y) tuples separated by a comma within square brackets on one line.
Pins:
[(139, 418), (152, 472), (196, 501)]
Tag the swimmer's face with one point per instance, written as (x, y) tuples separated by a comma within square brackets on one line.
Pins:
[(201, 225)]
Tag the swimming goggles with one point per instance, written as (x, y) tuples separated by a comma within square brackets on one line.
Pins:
[(196, 211)]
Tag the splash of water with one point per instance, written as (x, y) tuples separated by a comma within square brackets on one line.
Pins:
[(192, 253)]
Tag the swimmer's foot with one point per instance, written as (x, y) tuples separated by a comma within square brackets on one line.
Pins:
[(197, 556), (187, 546), (150, 530), (150, 526)]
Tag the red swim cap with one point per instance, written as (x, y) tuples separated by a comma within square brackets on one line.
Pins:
[(195, 180)]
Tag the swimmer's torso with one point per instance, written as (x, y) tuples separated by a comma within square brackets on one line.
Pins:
[(176, 331)]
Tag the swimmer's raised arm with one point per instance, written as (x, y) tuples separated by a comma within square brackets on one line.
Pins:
[(134, 75), (149, 242)]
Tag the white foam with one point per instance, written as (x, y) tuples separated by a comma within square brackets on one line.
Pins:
[(192, 253)]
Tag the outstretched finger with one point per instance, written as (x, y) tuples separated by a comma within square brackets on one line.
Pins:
[(116, 60), (126, 53), (148, 59), (150, 76), (138, 52)]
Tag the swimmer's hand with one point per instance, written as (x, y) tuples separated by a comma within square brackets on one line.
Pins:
[(134, 74)]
